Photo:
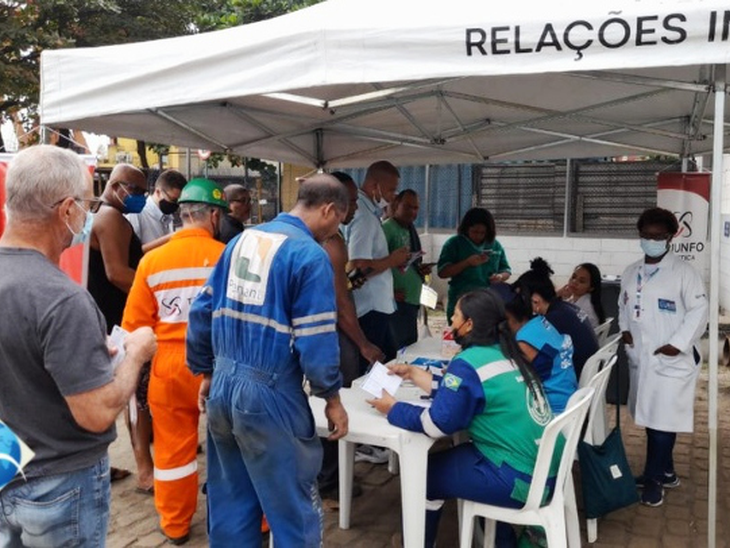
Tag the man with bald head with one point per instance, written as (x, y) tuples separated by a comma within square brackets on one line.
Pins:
[(368, 251), (114, 252), (265, 319), (59, 392), (239, 202)]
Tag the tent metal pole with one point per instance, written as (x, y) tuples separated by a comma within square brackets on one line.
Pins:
[(717, 175), (566, 209), (427, 199)]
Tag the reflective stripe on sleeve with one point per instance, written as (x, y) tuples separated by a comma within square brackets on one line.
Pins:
[(315, 318), (172, 474), (304, 332), (429, 427), (179, 275)]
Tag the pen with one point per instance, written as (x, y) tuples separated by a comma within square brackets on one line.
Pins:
[(402, 355)]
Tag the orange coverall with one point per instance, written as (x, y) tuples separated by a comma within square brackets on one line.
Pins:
[(166, 282)]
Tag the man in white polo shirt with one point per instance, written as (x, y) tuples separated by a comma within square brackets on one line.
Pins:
[(368, 251)]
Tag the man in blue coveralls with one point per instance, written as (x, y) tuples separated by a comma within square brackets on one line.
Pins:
[(266, 318)]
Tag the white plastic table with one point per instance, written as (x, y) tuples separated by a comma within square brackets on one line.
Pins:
[(368, 426)]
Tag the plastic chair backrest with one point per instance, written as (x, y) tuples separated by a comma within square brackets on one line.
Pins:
[(569, 423), (598, 360), (602, 331), (599, 383)]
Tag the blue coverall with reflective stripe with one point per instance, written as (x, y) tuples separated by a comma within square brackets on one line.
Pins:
[(265, 319)]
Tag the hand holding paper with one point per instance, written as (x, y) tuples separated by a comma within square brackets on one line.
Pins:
[(116, 340), (378, 380)]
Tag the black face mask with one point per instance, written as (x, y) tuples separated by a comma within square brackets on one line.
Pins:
[(167, 207), (458, 339)]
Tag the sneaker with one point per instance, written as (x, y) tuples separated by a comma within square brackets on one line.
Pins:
[(653, 494), (670, 481), (369, 453)]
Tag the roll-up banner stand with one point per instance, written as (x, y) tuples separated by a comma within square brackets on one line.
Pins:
[(687, 195), (74, 260)]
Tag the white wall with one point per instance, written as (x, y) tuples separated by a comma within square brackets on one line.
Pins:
[(611, 255)]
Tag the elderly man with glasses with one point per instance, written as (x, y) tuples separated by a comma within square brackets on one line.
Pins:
[(239, 201), (59, 393)]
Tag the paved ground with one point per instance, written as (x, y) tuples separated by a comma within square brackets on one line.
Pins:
[(376, 520)]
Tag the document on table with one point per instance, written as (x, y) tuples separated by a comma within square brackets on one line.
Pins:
[(379, 380)]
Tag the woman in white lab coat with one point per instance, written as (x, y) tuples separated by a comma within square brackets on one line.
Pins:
[(662, 315)]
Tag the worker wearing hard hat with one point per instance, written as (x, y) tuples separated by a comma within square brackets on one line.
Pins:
[(167, 280)]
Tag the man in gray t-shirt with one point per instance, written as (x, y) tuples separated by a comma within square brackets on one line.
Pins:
[(59, 392)]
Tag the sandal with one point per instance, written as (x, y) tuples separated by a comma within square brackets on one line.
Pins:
[(116, 474), (145, 490)]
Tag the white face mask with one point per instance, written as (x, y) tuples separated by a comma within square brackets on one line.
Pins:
[(82, 236), (381, 202), (653, 248)]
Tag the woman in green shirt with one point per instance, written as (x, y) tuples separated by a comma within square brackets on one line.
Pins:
[(473, 258)]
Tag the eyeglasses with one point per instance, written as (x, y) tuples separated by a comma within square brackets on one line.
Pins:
[(93, 205), (134, 189), (241, 200)]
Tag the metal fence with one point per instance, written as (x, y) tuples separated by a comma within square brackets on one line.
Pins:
[(604, 198)]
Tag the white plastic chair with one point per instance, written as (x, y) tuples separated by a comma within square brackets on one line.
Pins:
[(559, 517), (593, 365), (602, 331), (597, 416), (598, 360)]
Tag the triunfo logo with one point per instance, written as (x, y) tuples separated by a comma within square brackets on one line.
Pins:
[(685, 224)]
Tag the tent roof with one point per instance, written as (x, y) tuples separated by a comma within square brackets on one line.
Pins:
[(347, 82)]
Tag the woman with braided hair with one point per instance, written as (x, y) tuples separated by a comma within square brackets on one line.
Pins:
[(490, 391)]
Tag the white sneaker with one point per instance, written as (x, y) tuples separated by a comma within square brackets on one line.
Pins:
[(369, 453)]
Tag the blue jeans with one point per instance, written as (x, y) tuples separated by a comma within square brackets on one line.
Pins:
[(57, 511)]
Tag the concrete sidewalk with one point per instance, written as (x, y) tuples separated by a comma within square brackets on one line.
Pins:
[(376, 515)]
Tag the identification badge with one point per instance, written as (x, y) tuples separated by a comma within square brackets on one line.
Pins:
[(667, 305)]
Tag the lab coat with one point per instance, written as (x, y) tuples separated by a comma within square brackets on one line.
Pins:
[(673, 310)]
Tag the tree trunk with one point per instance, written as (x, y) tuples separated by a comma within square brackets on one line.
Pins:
[(142, 152)]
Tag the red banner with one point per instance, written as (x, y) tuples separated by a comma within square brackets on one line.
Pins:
[(74, 260)]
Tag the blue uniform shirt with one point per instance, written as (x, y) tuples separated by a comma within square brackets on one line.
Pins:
[(270, 304)]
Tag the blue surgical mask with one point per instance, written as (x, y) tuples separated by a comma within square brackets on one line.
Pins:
[(82, 236), (133, 203), (653, 248)]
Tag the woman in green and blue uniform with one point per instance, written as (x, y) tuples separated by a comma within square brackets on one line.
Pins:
[(490, 391), (473, 259)]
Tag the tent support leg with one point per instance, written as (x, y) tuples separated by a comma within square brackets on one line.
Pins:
[(715, 230)]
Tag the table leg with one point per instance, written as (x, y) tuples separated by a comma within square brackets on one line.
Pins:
[(414, 452), (346, 458)]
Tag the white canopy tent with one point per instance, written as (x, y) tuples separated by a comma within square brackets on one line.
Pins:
[(348, 82)]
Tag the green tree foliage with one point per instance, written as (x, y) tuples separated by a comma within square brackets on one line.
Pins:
[(231, 13), (27, 27)]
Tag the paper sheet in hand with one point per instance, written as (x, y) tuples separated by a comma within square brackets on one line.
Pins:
[(117, 339), (379, 380), (429, 296)]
